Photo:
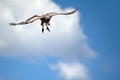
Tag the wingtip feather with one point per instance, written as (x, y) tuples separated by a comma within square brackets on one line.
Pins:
[(12, 24)]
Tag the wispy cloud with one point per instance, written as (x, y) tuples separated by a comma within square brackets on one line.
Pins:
[(66, 36), (71, 71)]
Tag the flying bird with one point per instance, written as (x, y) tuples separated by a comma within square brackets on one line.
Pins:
[(45, 19)]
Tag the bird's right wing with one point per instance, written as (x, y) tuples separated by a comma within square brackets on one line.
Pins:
[(30, 20), (66, 13)]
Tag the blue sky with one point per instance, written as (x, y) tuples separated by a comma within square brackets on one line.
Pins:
[(100, 20), (100, 23)]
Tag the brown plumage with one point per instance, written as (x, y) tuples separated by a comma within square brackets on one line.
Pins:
[(44, 19)]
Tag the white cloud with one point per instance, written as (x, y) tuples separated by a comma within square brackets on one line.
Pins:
[(66, 36), (71, 71)]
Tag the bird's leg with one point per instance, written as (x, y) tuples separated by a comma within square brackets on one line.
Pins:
[(42, 28), (47, 28)]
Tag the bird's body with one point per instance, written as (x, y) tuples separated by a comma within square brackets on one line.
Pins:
[(45, 19)]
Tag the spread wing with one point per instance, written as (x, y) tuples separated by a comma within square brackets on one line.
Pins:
[(30, 20), (56, 13)]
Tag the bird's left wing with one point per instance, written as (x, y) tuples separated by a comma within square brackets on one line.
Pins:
[(66, 13), (30, 20), (33, 18)]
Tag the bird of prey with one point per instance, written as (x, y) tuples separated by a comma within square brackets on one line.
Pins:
[(45, 18)]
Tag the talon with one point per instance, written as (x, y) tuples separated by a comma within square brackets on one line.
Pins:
[(48, 29), (42, 30)]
